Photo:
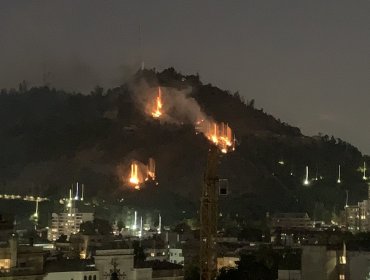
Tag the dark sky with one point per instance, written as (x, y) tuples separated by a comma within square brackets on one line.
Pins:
[(305, 61)]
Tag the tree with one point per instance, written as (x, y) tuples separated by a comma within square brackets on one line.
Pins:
[(23, 86), (192, 273), (98, 91), (62, 238), (87, 228), (229, 274), (102, 226), (139, 255), (250, 103), (120, 225)]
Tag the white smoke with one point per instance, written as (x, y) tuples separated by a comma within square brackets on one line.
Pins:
[(179, 106)]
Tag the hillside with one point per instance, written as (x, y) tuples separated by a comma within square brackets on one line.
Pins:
[(50, 138)]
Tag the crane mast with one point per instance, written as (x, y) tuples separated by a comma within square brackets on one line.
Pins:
[(208, 217)]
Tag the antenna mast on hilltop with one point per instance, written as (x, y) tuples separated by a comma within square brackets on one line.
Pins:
[(141, 48)]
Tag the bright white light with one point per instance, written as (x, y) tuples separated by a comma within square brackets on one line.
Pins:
[(306, 182), (339, 181), (364, 177)]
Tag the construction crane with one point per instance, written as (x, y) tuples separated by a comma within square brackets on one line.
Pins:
[(208, 217)]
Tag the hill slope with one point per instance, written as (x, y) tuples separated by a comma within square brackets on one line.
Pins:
[(50, 139)]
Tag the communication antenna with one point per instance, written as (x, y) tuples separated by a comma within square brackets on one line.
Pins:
[(141, 48)]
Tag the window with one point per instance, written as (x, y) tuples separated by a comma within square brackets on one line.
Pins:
[(4, 263), (94, 277), (90, 278), (85, 277)]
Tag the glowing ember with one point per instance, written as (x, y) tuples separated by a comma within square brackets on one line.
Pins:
[(157, 108)]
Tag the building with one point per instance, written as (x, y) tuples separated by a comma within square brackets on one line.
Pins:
[(227, 262), (71, 269), (6, 226), (322, 262), (319, 263), (356, 218), (352, 218), (358, 265), (120, 262), (289, 275), (176, 256), (21, 262), (68, 222), (159, 254), (291, 221), (166, 271)]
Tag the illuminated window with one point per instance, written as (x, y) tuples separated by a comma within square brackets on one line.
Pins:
[(342, 277), (342, 260)]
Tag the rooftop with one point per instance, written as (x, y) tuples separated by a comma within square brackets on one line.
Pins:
[(69, 265), (291, 215), (158, 265)]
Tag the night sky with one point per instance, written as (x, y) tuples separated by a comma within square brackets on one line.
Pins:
[(306, 62)]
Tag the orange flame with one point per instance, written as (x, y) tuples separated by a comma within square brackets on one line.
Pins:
[(221, 135), (151, 169), (134, 178), (157, 110), (140, 173)]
